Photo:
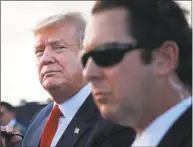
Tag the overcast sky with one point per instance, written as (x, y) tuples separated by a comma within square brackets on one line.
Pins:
[(19, 78)]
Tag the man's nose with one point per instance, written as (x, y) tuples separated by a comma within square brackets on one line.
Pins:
[(48, 57), (91, 71)]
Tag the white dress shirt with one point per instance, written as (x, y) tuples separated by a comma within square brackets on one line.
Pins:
[(153, 134), (69, 109)]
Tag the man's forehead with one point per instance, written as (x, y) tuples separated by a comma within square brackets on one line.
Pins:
[(46, 40), (105, 27), (55, 34)]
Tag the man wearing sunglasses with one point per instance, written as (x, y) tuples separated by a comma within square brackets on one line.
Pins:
[(138, 57)]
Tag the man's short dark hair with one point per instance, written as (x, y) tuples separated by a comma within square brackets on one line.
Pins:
[(153, 22), (8, 107)]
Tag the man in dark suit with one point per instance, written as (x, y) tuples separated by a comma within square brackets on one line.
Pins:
[(8, 118), (72, 119), (138, 57)]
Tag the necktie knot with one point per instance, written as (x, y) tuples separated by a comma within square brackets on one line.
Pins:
[(56, 112)]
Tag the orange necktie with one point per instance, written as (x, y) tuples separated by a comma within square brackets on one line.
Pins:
[(50, 127)]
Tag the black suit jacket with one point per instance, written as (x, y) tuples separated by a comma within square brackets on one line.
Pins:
[(94, 131), (180, 134)]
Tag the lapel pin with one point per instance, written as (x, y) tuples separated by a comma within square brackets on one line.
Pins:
[(76, 131)]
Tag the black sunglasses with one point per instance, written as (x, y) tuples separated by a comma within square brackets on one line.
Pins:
[(108, 54)]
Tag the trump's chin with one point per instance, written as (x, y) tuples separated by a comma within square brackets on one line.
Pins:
[(50, 84)]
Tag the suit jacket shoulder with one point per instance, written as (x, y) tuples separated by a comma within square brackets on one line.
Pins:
[(180, 134)]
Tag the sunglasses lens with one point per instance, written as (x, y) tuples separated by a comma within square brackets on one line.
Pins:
[(84, 59), (108, 57), (108, 54)]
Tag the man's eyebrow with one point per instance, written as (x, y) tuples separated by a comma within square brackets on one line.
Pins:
[(102, 45), (91, 46), (109, 45), (59, 42), (53, 42)]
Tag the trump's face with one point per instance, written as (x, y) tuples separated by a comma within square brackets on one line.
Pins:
[(119, 79), (56, 51)]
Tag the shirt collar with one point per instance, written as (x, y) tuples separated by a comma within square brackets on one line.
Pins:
[(153, 134), (71, 106)]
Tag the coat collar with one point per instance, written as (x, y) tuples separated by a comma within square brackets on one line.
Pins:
[(179, 131)]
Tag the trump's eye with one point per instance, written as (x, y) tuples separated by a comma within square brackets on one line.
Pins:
[(39, 51), (59, 48)]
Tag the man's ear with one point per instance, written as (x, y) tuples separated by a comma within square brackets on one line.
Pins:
[(165, 58)]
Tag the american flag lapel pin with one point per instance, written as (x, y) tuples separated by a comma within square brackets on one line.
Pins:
[(76, 131)]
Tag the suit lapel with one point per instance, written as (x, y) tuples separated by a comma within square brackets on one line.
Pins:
[(43, 123), (39, 129), (179, 131), (79, 124)]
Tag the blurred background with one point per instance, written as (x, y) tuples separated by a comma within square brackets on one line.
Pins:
[(19, 80)]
